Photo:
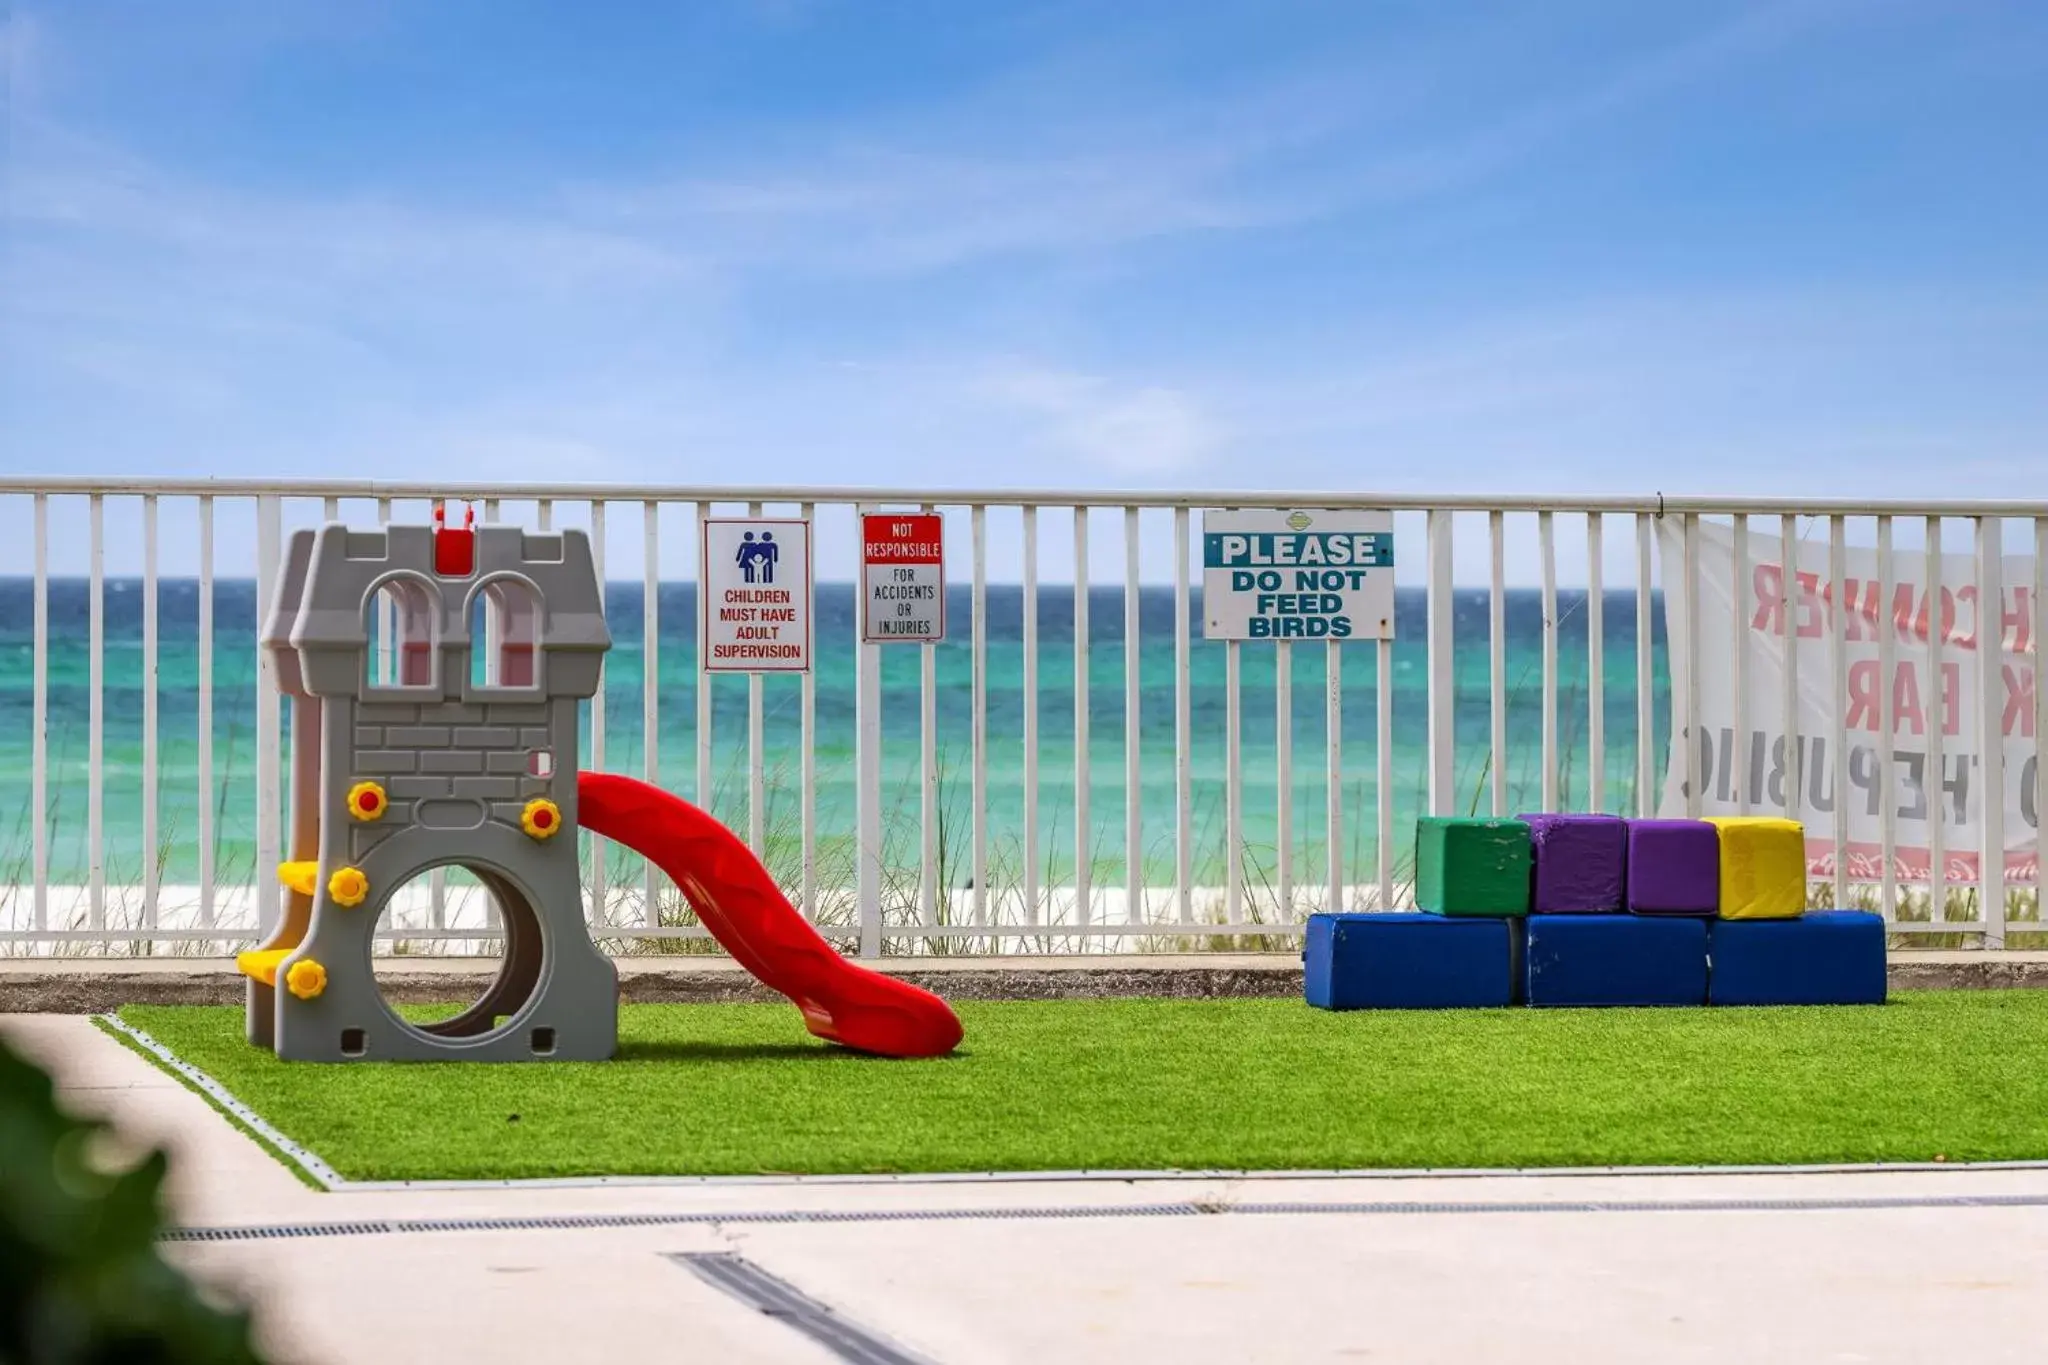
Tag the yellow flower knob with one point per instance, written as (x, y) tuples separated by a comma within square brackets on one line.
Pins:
[(348, 886), (305, 978), (541, 819), (366, 801)]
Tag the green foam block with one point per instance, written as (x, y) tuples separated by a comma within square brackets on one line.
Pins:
[(1471, 867)]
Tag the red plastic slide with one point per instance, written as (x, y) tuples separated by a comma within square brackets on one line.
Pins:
[(741, 906)]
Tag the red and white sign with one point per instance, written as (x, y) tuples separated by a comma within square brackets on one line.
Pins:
[(903, 577)]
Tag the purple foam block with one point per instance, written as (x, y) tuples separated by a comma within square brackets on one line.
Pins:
[(1577, 862), (1674, 867)]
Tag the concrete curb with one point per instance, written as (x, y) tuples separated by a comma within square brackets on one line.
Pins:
[(1967, 971), (96, 986)]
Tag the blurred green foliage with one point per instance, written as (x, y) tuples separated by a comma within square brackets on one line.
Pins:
[(81, 1280)]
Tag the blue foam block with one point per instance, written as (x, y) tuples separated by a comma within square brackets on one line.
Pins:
[(1409, 961), (1615, 960), (1826, 957)]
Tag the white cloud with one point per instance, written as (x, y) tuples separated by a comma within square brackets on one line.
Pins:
[(1509, 132), (891, 210), (1135, 429), (230, 307), (94, 198), (1023, 168)]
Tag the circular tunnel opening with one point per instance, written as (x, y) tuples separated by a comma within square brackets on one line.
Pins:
[(478, 927)]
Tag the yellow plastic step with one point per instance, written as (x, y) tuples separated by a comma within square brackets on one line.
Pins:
[(262, 963), (299, 877)]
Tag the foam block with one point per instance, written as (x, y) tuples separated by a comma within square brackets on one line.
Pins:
[(1829, 957), (1577, 863), (1674, 867), (1392, 960), (1763, 867), (1471, 867), (1615, 960)]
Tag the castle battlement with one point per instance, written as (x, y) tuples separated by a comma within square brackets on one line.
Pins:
[(540, 589)]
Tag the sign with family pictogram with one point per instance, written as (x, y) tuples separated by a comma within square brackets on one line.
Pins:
[(756, 599), (903, 578)]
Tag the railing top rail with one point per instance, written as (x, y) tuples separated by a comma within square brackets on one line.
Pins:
[(1654, 503)]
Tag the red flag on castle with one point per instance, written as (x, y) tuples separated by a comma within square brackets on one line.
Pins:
[(454, 550)]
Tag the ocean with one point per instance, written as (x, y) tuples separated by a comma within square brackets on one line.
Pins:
[(233, 793)]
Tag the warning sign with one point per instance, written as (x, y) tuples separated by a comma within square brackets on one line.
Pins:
[(756, 608), (903, 577), (1298, 575)]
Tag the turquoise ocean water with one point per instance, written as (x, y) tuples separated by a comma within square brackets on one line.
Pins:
[(233, 792)]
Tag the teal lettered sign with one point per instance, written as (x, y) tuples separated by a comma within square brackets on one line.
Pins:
[(1298, 574)]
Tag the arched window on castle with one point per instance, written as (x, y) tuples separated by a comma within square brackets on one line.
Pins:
[(504, 634), (401, 627)]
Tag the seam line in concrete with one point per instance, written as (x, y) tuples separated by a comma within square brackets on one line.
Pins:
[(1174, 1209), (777, 1298)]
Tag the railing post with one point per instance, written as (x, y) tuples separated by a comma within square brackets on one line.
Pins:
[(1183, 727), (1333, 781), (1443, 753), (1789, 614), (1738, 662), (1596, 666), (807, 876), (650, 691), (1990, 777), (1383, 760), (269, 747), (1084, 843), (1283, 754), (1233, 781), (494, 920), (1029, 518), (1134, 730), (1646, 724), (1497, 664), (151, 871), (1838, 704), (932, 890), (1546, 536), (2039, 634), (867, 762), (979, 814), (1685, 725), (1887, 723), (600, 911), (204, 724), (757, 780), (95, 752), (39, 779), (1936, 802)]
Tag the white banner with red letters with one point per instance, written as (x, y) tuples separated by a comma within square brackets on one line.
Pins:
[(1916, 694)]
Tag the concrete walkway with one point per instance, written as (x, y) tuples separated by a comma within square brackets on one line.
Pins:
[(1127, 1273)]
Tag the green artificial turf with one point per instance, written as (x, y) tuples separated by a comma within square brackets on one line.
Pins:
[(1150, 1084)]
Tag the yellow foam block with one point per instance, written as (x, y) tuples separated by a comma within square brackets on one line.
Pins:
[(262, 963), (298, 877), (1763, 867)]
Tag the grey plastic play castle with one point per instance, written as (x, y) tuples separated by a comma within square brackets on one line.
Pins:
[(434, 676)]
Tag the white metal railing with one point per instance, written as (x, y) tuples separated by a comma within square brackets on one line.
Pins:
[(886, 899)]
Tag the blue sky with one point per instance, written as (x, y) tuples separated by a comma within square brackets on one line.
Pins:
[(1775, 248)]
